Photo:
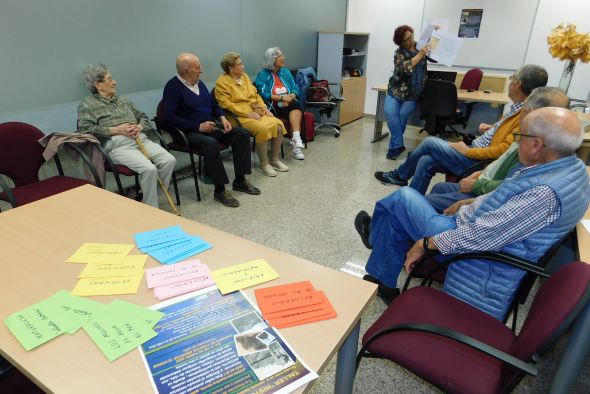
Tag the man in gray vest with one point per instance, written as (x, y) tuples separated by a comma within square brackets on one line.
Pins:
[(540, 201)]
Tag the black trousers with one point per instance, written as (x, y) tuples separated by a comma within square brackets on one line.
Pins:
[(239, 140)]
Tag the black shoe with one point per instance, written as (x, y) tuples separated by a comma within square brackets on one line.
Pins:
[(226, 199), (387, 294), (139, 197), (390, 178), (245, 187), (362, 223), (394, 153)]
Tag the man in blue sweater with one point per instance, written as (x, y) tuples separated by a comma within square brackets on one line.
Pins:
[(536, 205), (188, 106)]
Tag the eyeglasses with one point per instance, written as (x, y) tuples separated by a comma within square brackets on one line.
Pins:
[(519, 136), (409, 38)]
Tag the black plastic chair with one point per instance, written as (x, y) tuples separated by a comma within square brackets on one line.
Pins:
[(438, 102)]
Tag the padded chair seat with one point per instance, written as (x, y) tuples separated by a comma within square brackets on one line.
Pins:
[(45, 188), (452, 360)]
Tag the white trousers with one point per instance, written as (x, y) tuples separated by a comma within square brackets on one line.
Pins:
[(123, 150)]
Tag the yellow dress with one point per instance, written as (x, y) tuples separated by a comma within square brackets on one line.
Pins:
[(241, 99)]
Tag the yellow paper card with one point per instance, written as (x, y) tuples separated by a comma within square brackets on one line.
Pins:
[(131, 266), (107, 286), (243, 275), (101, 253)]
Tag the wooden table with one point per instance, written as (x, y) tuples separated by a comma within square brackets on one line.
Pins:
[(37, 238), (478, 96)]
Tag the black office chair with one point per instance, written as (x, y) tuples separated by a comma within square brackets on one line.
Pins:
[(319, 96), (439, 102)]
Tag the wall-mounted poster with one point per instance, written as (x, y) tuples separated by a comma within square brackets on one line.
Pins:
[(470, 23)]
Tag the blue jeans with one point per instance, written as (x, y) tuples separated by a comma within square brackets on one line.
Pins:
[(397, 114), (444, 194), (431, 156), (399, 220)]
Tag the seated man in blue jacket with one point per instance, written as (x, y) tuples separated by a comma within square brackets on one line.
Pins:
[(188, 106), (540, 201)]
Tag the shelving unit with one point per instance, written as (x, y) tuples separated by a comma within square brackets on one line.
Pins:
[(339, 55)]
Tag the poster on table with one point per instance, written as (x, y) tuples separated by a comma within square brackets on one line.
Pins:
[(211, 343)]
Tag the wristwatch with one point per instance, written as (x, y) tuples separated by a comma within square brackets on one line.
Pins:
[(425, 244)]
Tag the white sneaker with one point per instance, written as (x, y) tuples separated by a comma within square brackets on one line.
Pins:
[(267, 170), (298, 154), (277, 165), (297, 143)]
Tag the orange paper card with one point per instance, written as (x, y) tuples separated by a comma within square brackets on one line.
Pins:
[(327, 312), (285, 297), (303, 309)]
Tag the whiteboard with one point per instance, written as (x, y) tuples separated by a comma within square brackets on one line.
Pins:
[(504, 34)]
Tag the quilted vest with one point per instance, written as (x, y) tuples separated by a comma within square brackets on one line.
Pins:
[(491, 286)]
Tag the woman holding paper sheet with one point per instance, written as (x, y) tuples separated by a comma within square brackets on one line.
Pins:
[(404, 87)]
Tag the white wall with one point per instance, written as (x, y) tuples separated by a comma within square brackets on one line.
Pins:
[(550, 14), (380, 18)]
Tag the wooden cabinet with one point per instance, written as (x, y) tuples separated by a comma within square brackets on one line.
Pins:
[(353, 89), (342, 57)]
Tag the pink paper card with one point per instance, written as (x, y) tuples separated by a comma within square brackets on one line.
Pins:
[(170, 274), (164, 292)]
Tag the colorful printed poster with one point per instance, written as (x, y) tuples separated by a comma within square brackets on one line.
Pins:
[(210, 343)]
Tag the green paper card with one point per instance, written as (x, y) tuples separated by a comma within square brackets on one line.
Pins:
[(114, 336), (149, 316), (39, 323)]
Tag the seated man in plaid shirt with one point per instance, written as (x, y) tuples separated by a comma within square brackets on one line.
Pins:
[(540, 201)]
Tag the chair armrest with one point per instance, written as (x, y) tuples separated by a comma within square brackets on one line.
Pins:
[(87, 161), (475, 167), (6, 189), (455, 336), (499, 257)]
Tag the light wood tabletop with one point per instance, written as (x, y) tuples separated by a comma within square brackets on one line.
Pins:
[(37, 238)]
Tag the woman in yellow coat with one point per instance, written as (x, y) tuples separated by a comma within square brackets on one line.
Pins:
[(235, 93)]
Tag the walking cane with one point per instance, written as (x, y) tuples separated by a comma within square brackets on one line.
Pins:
[(166, 192)]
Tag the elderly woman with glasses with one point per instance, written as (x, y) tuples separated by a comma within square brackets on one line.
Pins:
[(404, 87), (235, 93), (278, 89), (117, 123)]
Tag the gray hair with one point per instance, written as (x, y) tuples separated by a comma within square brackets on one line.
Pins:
[(269, 57), (93, 74), (556, 133), (531, 76), (547, 96), (229, 60)]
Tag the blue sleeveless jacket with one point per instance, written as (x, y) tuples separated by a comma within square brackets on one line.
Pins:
[(491, 286)]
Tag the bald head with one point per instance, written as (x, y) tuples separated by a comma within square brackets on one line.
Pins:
[(188, 67), (559, 128)]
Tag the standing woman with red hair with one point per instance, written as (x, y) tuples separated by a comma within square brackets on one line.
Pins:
[(404, 87)]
